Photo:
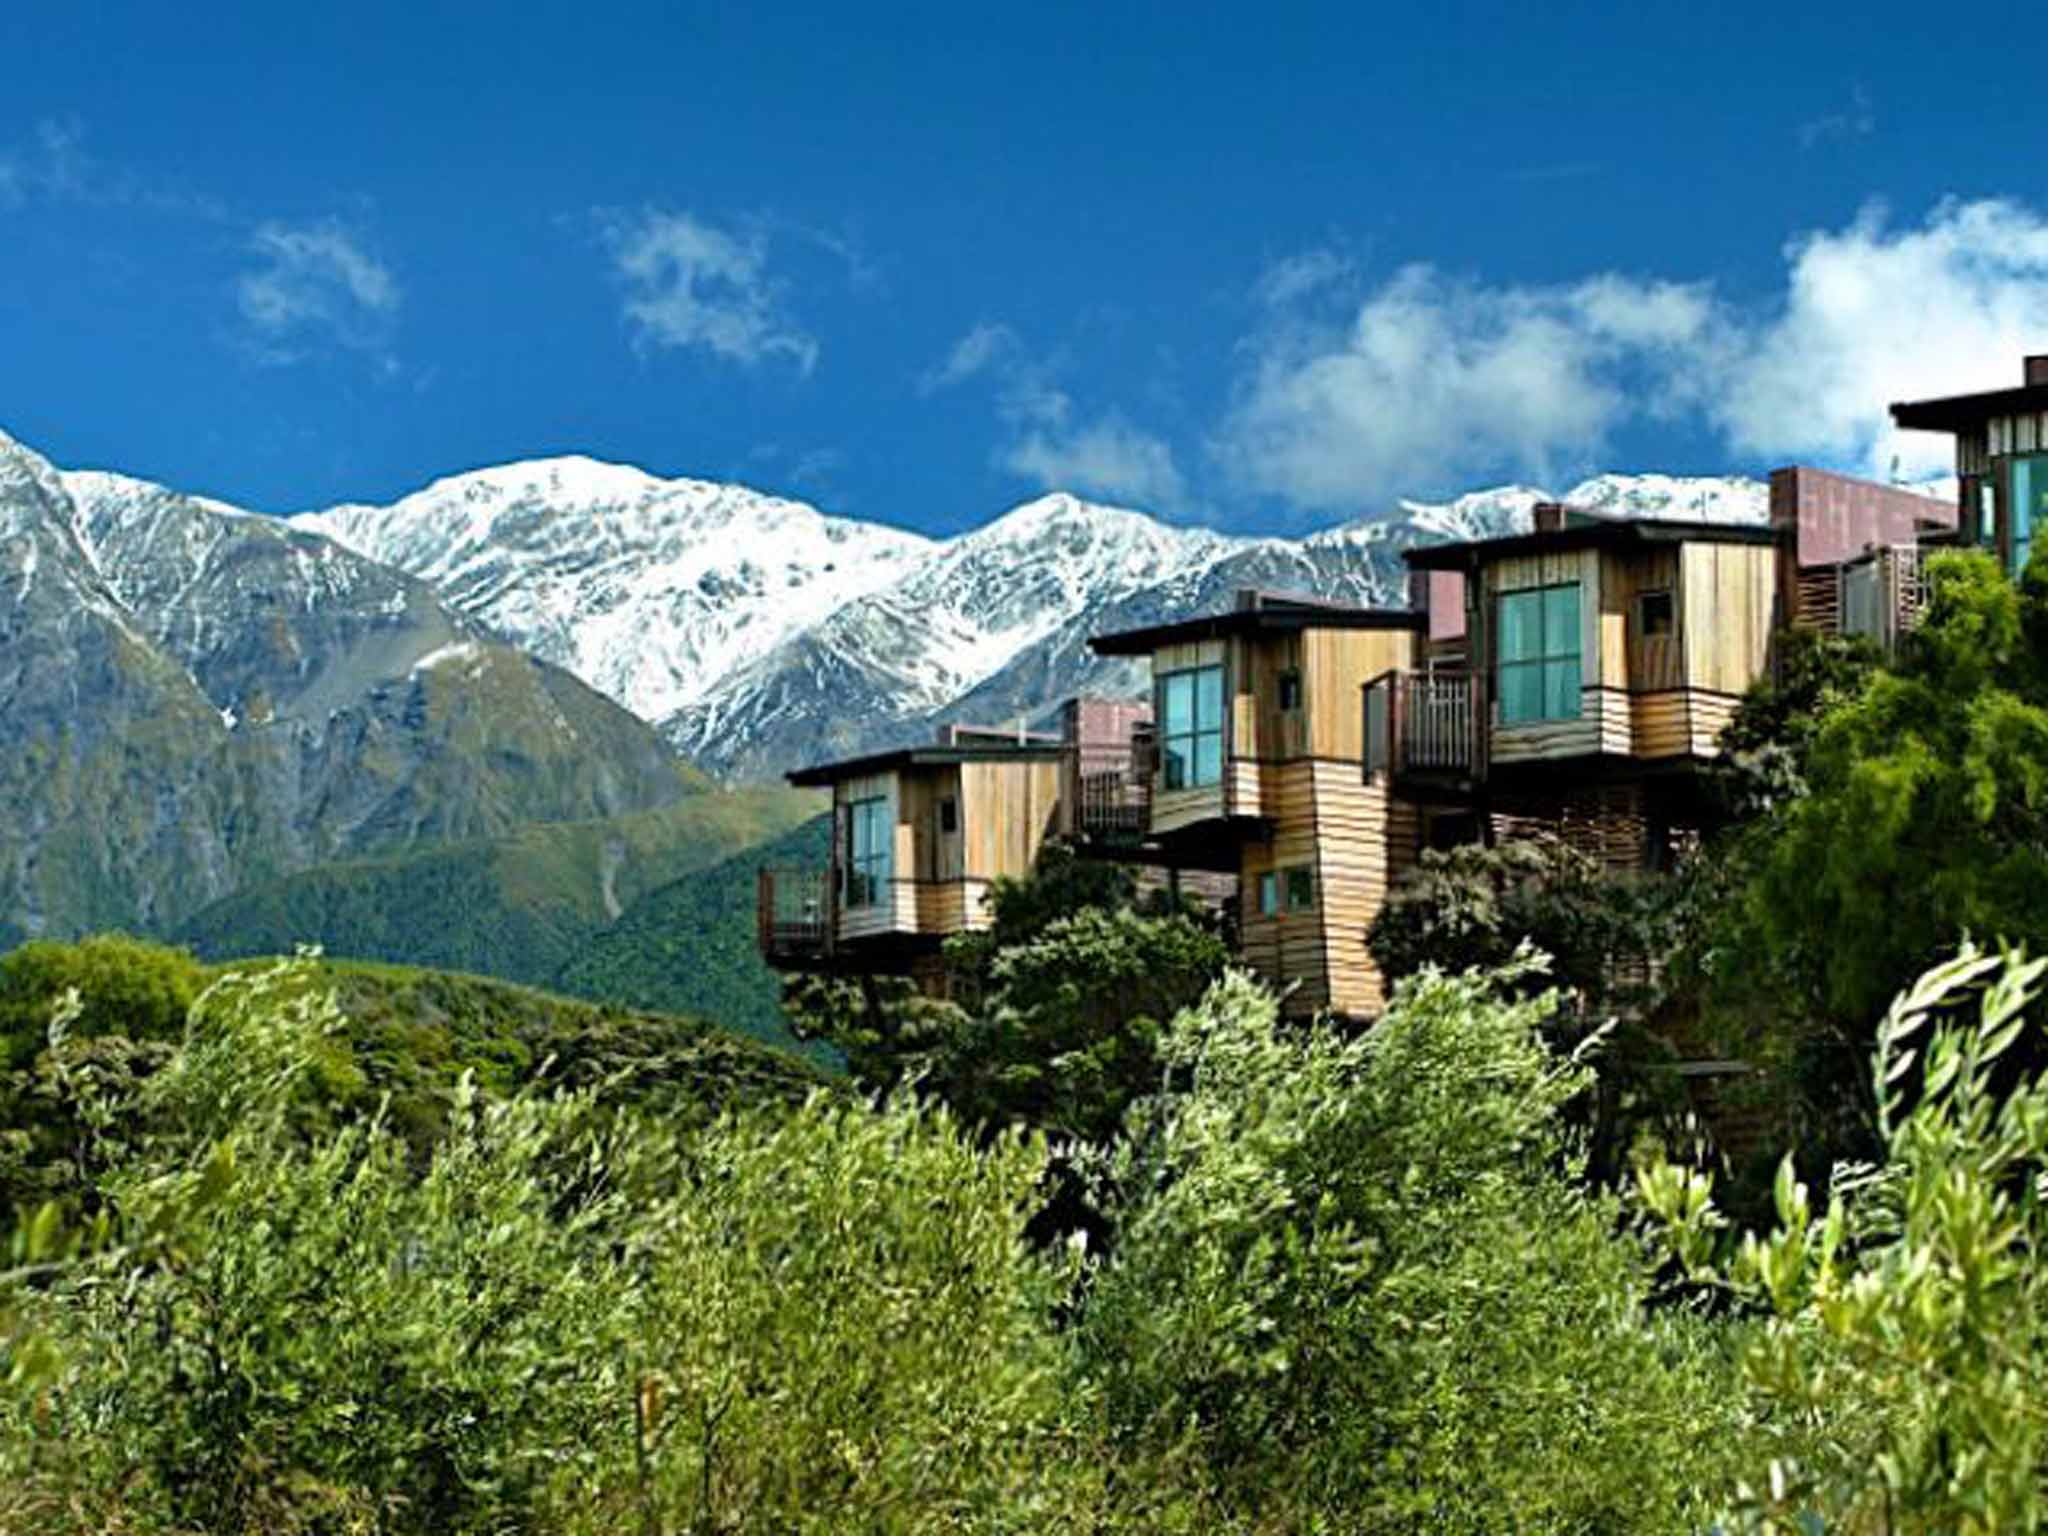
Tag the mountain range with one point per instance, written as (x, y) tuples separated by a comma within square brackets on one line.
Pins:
[(476, 726), (758, 633)]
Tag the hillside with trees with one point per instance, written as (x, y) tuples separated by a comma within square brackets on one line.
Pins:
[(1103, 1243)]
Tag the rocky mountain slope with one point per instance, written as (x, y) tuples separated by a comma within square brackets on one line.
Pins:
[(759, 633), (192, 698)]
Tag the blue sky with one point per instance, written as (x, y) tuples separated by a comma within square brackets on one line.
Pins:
[(1258, 266)]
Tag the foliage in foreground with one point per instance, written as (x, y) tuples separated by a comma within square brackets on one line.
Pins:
[(1351, 1282), (1906, 1355)]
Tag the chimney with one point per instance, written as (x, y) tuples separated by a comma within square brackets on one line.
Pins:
[(2037, 369), (1549, 516)]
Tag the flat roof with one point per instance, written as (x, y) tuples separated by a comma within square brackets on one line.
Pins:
[(821, 775), (1601, 533), (1960, 413), (1274, 618)]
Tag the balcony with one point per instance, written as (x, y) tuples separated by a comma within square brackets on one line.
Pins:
[(796, 914), (1106, 793), (1425, 725)]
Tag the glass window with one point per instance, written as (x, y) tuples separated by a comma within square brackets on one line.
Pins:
[(1376, 746), (1191, 729), (1290, 689), (867, 851), (1656, 614), (1269, 893), (949, 815), (2029, 506), (1301, 888), (1538, 673)]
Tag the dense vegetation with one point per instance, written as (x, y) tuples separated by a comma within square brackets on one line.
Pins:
[(541, 907), (690, 946), (1103, 1244)]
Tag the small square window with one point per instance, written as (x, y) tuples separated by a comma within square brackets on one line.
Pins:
[(1269, 893), (1301, 888), (1290, 689), (1656, 615), (949, 815)]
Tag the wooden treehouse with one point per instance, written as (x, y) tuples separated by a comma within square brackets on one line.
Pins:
[(2001, 461), (1249, 768), (918, 836)]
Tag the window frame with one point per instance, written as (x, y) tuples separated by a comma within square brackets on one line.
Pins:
[(867, 873), (1307, 874), (1190, 765), (2018, 514), (1547, 664), (1289, 684), (1269, 893), (1670, 600)]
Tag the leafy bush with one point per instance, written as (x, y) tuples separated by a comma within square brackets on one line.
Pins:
[(1901, 1375), (1355, 1274), (127, 986)]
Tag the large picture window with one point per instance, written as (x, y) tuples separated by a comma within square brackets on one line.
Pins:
[(2029, 506), (1539, 672), (867, 851), (1191, 727)]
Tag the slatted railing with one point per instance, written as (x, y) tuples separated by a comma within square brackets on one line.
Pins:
[(1424, 723), (795, 913), (1107, 792)]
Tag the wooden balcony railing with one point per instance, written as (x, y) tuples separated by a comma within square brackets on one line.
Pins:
[(796, 913), (1425, 723), (1106, 791)]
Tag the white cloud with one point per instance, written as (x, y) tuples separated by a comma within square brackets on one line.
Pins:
[(1047, 446), (1108, 458), (1873, 314), (988, 345), (691, 284), (315, 284), (1293, 278), (1435, 382)]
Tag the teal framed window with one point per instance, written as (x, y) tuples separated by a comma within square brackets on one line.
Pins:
[(867, 851), (1301, 888), (1269, 893), (1539, 671), (2029, 507), (1191, 727)]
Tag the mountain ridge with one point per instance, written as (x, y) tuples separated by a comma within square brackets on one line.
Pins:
[(746, 626)]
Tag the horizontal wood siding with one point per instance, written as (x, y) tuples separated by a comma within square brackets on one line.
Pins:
[(1536, 740), (1185, 807), (1358, 839), (1366, 840), (1663, 724), (1288, 947), (1710, 716)]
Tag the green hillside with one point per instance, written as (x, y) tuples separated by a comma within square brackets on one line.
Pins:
[(518, 907), (689, 946)]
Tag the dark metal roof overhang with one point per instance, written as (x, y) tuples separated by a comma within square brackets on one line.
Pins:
[(1253, 621), (823, 775), (1605, 534), (1966, 413)]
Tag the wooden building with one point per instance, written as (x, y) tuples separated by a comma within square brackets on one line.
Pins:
[(1250, 766), (2001, 461), (918, 836)]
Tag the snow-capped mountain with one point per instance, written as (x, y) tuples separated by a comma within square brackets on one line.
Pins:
[(192, 697), (760, 633), (649, 590)]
